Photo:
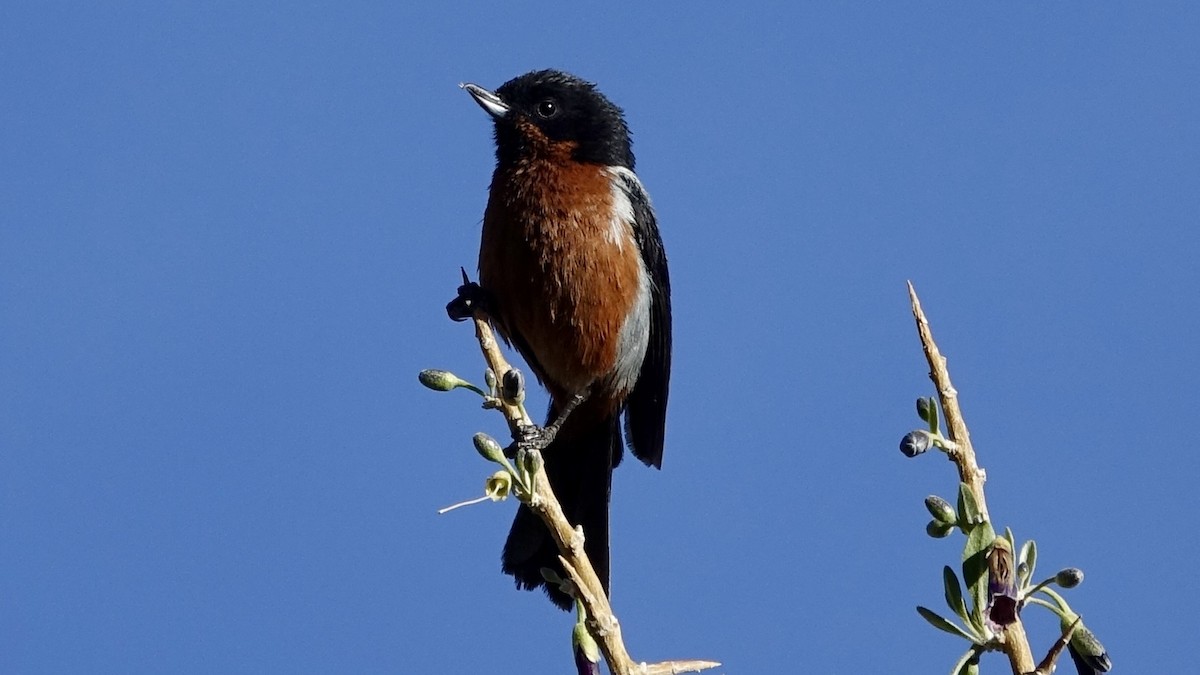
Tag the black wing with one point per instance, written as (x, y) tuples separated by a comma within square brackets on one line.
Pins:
[(646, 407)]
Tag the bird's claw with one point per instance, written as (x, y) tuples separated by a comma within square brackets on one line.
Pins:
[(530, 437), (471, 299), (535, 437)]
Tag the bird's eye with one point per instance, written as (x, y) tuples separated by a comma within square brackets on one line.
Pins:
[(547, 109)]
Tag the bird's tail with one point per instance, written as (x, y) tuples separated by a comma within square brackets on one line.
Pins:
[(579, 464)]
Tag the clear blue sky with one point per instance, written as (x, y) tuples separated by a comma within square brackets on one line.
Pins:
[(227, 235)]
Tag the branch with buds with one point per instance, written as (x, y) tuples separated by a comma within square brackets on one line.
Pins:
[(596, 630), (999, 583)]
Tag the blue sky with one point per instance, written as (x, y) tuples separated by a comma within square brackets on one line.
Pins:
[(227, 234)]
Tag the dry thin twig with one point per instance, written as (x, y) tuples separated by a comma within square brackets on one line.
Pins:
[(1014, 643), (602, 624), (1047, 665)]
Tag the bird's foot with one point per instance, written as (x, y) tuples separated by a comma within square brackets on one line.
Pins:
[(533, 437), (530, 437), (471, 299)]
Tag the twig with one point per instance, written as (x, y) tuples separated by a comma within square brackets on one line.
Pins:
[(601, 623), (963, 455), (1047, 665), (1014, 643), (515, 415)]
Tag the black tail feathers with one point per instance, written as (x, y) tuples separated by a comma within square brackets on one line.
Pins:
[(579, 465)]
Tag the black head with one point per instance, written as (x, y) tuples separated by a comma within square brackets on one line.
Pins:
[(549, 111)]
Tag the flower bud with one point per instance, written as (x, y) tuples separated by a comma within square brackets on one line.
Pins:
[(440, 380), (1087, 652), (915, 442), (1069, 578), (587, 652), (512, 386), (941, 510), (938, 530), (532, 462), (488, 448)]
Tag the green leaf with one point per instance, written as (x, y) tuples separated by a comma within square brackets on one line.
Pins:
[(937, 621), (975, 568), (954, 596), (934, 426), (962, 507), (968, 663), (923, 405), (1028, 558), (968, 508)]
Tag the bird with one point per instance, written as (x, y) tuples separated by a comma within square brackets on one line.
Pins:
[(573, 274)]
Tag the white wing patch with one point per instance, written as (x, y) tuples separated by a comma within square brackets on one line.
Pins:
[(621, 224), (635, 333)]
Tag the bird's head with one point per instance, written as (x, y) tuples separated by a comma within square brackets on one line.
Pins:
[(548, 113)]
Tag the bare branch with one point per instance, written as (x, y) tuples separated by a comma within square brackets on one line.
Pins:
[(1014, 642)]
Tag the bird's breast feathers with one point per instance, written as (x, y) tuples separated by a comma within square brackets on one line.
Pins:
[(560, 255)]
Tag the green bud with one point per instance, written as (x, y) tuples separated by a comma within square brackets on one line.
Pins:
[(585, 647), (532, 462), (1069, 578), (941, 510), (441, 380), (939, 530), (1086, 650), (488, 448)]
